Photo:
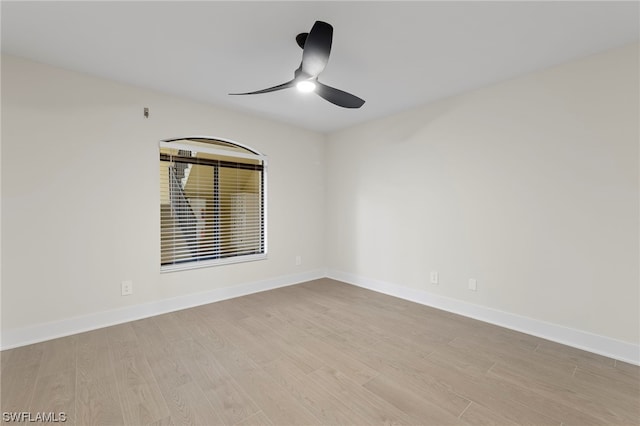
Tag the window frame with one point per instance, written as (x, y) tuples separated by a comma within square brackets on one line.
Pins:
[(188, 143)]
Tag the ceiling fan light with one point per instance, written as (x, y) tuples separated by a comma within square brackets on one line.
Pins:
[(306, 86)]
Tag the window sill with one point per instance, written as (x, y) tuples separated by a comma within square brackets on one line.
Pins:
[(209, 263)]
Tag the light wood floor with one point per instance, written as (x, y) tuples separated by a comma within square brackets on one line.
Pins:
[(322, 352)]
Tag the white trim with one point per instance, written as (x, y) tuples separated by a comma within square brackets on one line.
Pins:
[(595, 343), (232, 142), (213, 262), (201, 147), (265, 209), (52, 330), (598, 344)]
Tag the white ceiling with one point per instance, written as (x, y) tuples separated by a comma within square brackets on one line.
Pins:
[(395, 55)]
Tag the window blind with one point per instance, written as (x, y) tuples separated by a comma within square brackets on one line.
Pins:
[(212, 208)]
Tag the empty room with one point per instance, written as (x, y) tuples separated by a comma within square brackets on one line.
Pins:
[(320, 213)]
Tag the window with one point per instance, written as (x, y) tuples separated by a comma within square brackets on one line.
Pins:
[(212, 203)]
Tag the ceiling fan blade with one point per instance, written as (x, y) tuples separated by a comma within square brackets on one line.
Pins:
[(317, 47), (301, 39), (338, 97), (270, 89)]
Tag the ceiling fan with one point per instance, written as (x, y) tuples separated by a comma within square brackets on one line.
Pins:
[(316, 46)]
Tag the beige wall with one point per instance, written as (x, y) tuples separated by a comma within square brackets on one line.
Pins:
[(81, 197), (529, 186)]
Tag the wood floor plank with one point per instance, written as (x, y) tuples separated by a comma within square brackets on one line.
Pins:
[(339, 360), (198, 327), (321, 403), (519, 356), (171, 327), (320, 293), (304, 323), (140, 396), (291, 349), (165, 421), (24, 356), (258, 419), (210, 333), (93, 359), (56, 393), (188, 406), (271, 397), (493, 394), (436, 391), (121, 332), (324, 321), (420, 409), (616, 385), (227, 397), (153, 340), (550, 406), (579, 408), (20, 367), (621, 396), (123, 342), (170, 372), (226, 309), (287, 332), (632, 371), (403, 366), (477, 414), (18, 386), (366, 404), (616, 374), (576, 356), (462, 360), (58, 355), (260, 350), (98, 402)]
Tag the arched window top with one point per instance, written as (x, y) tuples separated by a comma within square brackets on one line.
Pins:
[(216, 143)]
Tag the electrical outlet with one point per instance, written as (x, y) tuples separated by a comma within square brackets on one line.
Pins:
[(473, 284), (298, 260), (434, 277), (127, 288)]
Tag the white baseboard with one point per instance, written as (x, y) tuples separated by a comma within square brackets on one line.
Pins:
[(52, 330), (601, 345)]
